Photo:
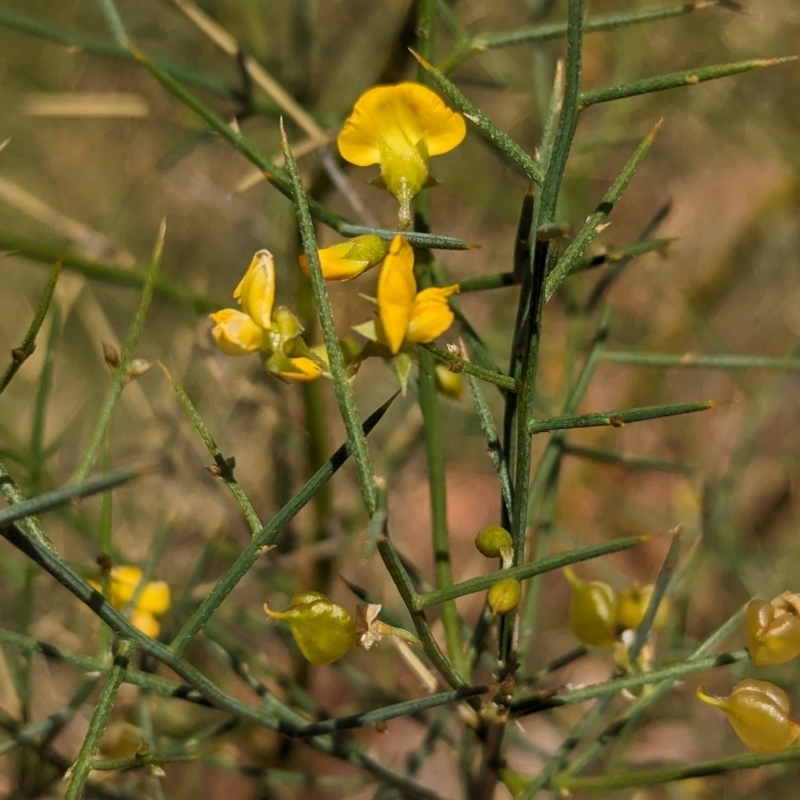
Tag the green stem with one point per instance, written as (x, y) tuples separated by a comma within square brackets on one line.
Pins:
[(502, 381), (524, 571), (19, 355), (120, 377), (673, 80), (253, 551), (617, 419), (701, 361), (80, 770), (557, 30), (343, 388), (651, 777), (134, 278)]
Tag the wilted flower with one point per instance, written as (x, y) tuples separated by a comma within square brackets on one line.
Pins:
[(152, 601), (346, 260), (400, 127)]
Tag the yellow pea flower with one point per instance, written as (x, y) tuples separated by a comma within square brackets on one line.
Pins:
[(759, 714), (153, 600), (261, 327), (235, 332), (407, 315), (347, 260), (400, 127), (256, 291)]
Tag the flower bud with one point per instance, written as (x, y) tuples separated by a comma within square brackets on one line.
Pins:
[(256, 291), (759, 714), (449, 383), (504, 596), (495, 542), (632, 606), (772, 631), (592, 610), (324, 630), (347, 260)]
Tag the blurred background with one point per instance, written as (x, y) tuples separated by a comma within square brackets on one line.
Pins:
[(99, 153)]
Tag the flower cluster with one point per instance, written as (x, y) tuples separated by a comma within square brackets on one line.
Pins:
[(261, 328), (398, 127), (758, 710), (150, 600)]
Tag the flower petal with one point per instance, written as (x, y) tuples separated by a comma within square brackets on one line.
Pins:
[(305, 370), (347, 260), (256, 290), (235, 332), (396, 290), (400, 117), (430, 314), (154, 598), (146, 623)]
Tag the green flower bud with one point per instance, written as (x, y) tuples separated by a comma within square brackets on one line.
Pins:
[(772, 630), (759, 714), (324, 630), (495, 542), (592, 611), (504, 596)]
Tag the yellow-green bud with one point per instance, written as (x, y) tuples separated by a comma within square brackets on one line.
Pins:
[(495, 542), (504, 596), (449, 383), (759, 714), (324, 630), (592, 611), (632, 605)]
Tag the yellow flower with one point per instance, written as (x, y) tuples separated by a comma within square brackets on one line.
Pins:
[(260, 327), (256, 291), (406, 315), (400, 127), (235, 332), (153, 600), (347, 260)]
